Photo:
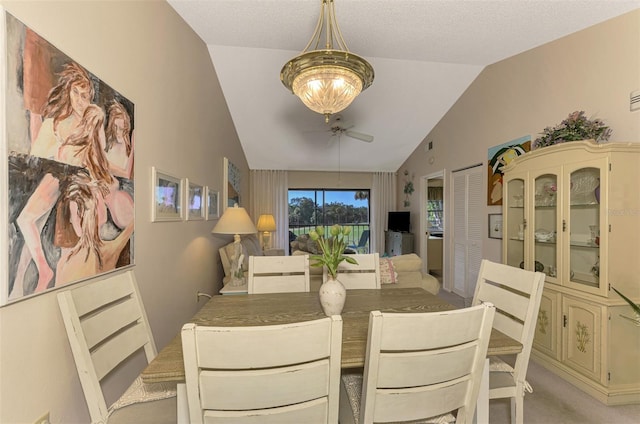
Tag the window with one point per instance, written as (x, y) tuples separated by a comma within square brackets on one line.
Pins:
[(313, 207), (435, 208)]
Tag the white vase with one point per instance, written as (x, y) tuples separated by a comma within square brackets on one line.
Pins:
[(332, 296)]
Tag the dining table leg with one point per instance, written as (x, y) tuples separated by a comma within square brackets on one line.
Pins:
[(482, 406)]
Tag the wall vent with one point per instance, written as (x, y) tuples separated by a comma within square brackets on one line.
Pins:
[(635, 100)]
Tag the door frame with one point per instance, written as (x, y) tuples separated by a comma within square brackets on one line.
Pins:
[(422, 240)]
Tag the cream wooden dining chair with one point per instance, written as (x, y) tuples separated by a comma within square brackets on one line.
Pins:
[(516, 294), (277, 274), (364, 275), (275, 374), (107, 325), (419, 367)]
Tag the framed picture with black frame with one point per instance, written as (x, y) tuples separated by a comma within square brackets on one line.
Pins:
[(495, 225)]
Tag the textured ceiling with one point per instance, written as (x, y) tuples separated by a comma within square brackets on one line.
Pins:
[(425, 53)]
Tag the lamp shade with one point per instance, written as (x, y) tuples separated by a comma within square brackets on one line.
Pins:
[(266, 223), (235, 220)]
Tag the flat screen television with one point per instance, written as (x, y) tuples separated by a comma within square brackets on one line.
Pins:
[(399, 221)]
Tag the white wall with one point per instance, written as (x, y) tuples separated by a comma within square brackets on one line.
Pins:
[(593, 70), (144, 50)]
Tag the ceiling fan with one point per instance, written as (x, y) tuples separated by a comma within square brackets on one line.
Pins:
[(339, 127)]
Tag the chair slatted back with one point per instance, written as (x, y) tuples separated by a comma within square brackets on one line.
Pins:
[(364, 275), (516, 294), (266, 374), (421, 365), (277, 274), (106, 324)]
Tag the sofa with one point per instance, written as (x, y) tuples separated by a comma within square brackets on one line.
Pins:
[(304, 244), (400, 271), (396, 271)]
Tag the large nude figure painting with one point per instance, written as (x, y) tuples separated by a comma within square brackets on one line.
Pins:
[(69, 140)]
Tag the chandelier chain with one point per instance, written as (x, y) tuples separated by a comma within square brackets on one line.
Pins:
[(331, 29)]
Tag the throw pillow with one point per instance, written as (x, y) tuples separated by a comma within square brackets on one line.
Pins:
[(312, 247), (251, 245), (388, 275)]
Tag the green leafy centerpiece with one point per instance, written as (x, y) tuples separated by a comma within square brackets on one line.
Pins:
[(575, 127), (332, 249), (332, 293)]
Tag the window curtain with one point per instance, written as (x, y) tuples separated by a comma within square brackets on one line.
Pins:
[(269, 190), (383, 200), (434, 193)]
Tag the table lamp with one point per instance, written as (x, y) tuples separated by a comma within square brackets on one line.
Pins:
[(235, 221), (266, 224)]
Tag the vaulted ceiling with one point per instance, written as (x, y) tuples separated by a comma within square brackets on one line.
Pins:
[(425, 53)]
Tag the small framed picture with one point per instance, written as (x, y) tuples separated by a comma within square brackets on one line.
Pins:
[(166, 204), (495, 225), (195, 201), (212, 205)]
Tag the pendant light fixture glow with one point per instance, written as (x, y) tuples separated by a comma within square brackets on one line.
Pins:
[(327, 80)]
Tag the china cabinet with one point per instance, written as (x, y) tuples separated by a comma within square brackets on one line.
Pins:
[(572, 211)]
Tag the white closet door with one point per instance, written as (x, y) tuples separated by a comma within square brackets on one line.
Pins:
[(476, 222), (468, 196), (459, 232)]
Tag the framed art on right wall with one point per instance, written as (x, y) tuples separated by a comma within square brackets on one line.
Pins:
[(495, 225)]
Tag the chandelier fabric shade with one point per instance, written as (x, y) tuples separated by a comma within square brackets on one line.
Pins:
[(327, 80)]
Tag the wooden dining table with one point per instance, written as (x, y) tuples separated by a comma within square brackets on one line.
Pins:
[(282, 308)]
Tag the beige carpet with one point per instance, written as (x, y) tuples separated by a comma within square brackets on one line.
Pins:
[(554, 400)]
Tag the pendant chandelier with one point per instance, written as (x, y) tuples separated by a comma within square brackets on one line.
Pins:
[(327, 80)]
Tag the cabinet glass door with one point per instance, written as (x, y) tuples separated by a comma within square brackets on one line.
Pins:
[(545, 222), (514, 223), (585, 220)]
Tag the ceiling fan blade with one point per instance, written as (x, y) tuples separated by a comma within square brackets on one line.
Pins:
[(346, 126), (360, 136)]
